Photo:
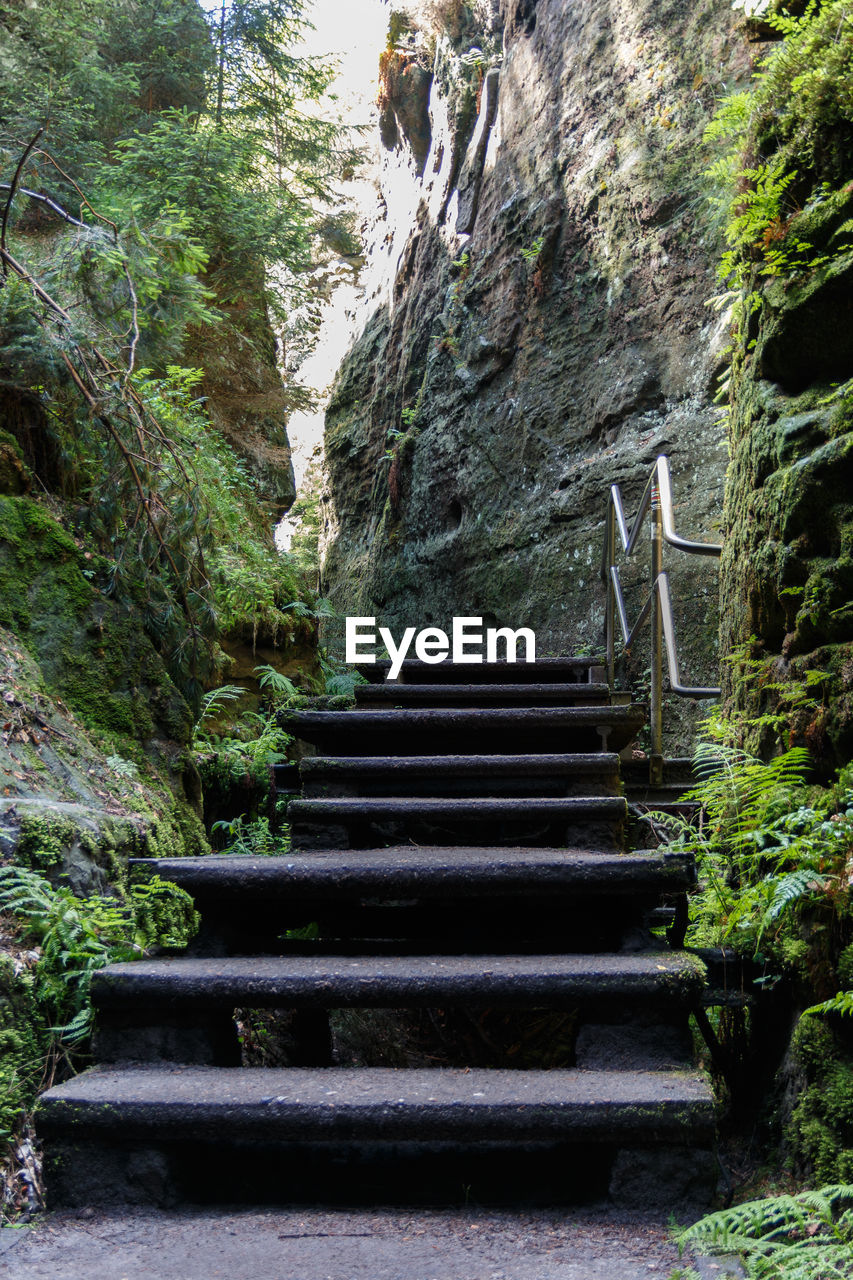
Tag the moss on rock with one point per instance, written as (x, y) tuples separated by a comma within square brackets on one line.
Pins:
[(820, 1131), (92, 653)]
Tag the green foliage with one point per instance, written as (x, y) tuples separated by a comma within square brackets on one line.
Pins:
[(819, 1133), (530, 252), (773, 855), (244, 753), (253, 838), (784, 148), (92, 69), (252, 745), (275, 684), (77, 936), (841, 1002), (188, 162), (803, 1237), (321, 608), (214, 704)]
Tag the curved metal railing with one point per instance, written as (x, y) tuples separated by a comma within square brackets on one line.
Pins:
[(657, 499)]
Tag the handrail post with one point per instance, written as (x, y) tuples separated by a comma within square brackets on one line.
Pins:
[(610, 610), (656, 707)]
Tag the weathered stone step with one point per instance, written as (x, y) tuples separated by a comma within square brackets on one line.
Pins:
[(178, 1104), (678, 774), (559, 670), (482, 775), (470, 808), (326, 982), (425, 871), (501, 731), (456, 694), (686, 809), (328, 823)]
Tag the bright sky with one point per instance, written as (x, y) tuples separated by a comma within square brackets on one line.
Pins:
[(354, 33)]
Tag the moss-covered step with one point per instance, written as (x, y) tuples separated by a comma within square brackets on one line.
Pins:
[(175, 1103), (504, 731)]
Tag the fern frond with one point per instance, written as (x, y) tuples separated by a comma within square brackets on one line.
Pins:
[(214, 701), (801, 1237), (841, 1002), (793, 886)]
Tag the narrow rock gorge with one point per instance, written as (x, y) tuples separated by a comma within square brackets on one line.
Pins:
[(603, 231), (536, 323)]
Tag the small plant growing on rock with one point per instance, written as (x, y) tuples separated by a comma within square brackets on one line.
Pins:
[(530, 252)]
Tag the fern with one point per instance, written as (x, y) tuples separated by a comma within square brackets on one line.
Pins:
[(787, 890), (344, 683), (215, 702), (77, 936), (842, 1003), (253, 839), (802, 1237), (274, 682)]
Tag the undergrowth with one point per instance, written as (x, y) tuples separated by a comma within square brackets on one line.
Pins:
[(53, 943), (789, 1237), (774, 855), (783, 150)]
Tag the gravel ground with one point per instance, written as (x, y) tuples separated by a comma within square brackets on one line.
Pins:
[(368, 1245)]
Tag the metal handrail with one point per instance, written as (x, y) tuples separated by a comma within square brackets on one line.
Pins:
[(657, 498)]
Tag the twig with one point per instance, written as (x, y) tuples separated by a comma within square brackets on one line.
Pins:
[(134, 310), (7, 259), (57, 208), (137, 480), (83, 199), (11, 195)]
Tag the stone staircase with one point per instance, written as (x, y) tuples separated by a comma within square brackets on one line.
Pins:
[(458, 846)]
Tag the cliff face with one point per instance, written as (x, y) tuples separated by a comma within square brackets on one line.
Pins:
[(788, 563), (247, 400), (539, 328)]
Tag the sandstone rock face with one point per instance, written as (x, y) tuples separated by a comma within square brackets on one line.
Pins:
[(788, 562), (247, 400), (536, 326)]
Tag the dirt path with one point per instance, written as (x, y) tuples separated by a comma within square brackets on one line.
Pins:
[(321, 1245)]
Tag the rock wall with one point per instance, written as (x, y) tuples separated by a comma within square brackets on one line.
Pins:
[(788, 563), (536, 324), (247, 399)]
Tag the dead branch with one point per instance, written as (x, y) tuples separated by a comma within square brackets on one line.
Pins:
[(144, 497), (8, 260), (12, 189), (47, 156), (51, 204)]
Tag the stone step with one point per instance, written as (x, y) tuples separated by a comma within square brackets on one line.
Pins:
[(556, 670), (395, 694), (326, 982), (176, 1104), (329, 823), (595, 773), (678, 774), (500, 731), (341, 875)]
